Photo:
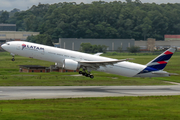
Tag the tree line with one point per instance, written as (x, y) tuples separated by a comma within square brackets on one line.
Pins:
[(89, 48), (116, 20)]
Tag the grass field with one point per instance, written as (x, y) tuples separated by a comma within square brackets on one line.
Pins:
[(109, 108), (10, 75)]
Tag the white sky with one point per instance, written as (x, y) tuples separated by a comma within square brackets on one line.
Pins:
[(25, 4)]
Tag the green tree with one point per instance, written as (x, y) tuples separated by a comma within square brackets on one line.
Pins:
[(41, 39), (4, 17), (146, 27), (88, 48), (130, 19)]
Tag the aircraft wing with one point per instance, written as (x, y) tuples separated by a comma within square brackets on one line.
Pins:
[(97, 64)]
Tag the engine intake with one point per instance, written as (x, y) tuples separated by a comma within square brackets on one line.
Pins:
[(70, 64)]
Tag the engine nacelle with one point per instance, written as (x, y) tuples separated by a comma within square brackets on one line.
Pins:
[(70, 64)]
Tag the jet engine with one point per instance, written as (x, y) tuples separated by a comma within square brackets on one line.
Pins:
[(70, 64)]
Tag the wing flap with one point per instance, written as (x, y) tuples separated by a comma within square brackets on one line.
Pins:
[(105, 62), (97, 64)]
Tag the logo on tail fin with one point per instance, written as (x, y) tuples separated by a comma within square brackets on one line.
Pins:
[(160, 62)]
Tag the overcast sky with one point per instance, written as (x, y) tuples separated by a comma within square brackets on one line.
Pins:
[(25, 4)]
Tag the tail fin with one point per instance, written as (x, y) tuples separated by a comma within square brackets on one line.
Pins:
[(160, 62)]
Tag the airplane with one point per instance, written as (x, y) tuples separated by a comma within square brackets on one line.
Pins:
[(73, 60)]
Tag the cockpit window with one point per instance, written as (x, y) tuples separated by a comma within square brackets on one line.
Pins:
[(7, 43)]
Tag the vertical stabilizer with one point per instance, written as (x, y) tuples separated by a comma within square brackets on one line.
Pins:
[(160, 62)]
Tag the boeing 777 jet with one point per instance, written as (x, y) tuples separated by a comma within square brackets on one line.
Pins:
[(73, 60)]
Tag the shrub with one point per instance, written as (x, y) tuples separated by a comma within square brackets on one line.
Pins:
[(134, 49)]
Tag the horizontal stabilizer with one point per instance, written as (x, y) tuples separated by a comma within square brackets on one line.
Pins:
[(160, 72), (163, 72), (173, 74)]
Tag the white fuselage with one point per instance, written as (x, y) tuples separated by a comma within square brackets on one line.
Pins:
[(58, 55)]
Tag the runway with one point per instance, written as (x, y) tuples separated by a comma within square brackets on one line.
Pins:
[(46, 92)]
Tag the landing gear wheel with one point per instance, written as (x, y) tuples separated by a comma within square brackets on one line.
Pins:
[(83, 73), (91, 76), (13, 59), (88, 75), (80, 72)]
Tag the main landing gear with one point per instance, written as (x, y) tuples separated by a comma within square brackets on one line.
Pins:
[(84, 73)]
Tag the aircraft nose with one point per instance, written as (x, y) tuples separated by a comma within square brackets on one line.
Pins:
[(2, 46)]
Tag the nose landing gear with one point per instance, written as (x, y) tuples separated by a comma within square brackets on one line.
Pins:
[(13, 57)]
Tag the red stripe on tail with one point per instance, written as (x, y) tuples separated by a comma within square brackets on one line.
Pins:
[(162, 62), (168, 52)]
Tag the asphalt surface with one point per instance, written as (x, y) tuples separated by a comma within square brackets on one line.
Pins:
[(46, 92)]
